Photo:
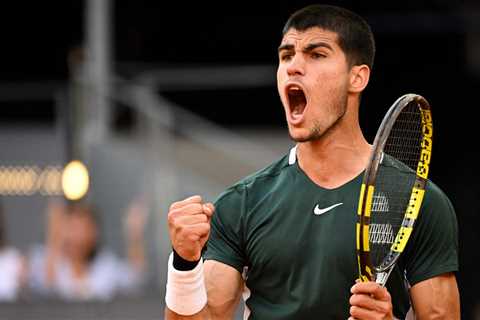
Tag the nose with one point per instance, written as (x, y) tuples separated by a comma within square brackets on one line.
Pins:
[(296, 66)]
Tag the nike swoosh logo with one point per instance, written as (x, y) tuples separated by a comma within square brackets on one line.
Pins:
[(319, 211)]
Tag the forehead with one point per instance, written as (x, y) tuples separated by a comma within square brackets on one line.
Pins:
[(311, 35), (81, 217)]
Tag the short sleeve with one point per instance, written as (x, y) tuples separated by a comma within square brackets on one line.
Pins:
[(226, 240), (433, 249)]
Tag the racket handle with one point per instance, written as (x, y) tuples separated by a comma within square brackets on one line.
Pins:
[(382, 277)]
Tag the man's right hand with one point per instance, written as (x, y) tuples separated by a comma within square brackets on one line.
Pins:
[(189, 226)]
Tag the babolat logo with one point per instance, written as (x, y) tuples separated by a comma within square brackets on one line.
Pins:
[(426, 153)]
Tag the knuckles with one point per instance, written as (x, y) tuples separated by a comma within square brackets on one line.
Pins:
[(360, 303), (176, 220), (354, 310), (189, 226), (173, 206), (360, 300)]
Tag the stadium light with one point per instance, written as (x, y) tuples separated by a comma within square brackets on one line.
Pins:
[(75, 180)]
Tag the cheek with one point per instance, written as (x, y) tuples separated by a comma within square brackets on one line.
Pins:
[(327, 78), (329, 85), (280, 81)]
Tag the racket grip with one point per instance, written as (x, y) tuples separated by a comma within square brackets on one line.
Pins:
[(382, 277)]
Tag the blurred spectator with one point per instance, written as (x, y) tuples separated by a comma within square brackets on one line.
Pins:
[(73, 265), (12, 267)]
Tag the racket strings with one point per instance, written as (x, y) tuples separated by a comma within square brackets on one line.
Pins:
[(394, 181)]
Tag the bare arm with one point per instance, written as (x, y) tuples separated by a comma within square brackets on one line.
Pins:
[(55, 224), (436, 298), (134, 227), (189, 228), (224, 285)]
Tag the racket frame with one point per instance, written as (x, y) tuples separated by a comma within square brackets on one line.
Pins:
[(380, 274)]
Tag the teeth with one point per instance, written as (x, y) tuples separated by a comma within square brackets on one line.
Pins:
[(294, 88)]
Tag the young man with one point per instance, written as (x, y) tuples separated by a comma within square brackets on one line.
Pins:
[(284, 236)]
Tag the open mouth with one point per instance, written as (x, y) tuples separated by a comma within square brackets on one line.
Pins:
[(296, 100)]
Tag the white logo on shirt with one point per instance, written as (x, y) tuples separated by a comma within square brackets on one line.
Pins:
[(317, 211)]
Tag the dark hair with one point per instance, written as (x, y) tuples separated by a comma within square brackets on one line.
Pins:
[(355, 37)]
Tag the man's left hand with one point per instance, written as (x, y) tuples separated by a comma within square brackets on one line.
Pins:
[(370, 301)]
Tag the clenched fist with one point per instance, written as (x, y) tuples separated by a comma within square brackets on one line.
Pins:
[(189, 226)]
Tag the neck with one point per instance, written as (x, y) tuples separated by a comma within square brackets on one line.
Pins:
[(338, 156)]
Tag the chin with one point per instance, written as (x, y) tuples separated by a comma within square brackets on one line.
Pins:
[(304, 135), (302, 139), (299, 137)]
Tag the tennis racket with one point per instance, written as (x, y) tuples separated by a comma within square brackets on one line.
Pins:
[(393, 186)]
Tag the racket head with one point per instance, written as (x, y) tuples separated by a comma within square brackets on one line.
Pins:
[(393, 185)]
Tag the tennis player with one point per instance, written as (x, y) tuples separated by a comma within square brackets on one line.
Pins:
[(285, 236)]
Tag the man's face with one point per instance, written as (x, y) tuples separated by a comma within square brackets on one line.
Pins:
[(313, 81), (80, 235)]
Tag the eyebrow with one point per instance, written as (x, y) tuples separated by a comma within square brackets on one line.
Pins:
[(285, 47), (315, 45), (310, 47)]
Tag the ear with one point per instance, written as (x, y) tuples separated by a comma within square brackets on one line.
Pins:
[(359, 77)]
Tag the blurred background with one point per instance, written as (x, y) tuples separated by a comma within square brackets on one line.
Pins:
[(161, 100)]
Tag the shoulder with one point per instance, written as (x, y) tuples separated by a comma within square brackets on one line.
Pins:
[(435, 200), (232, 208), (435, 196), (433, 249), (437, 212), (255, 183), (437, 209)]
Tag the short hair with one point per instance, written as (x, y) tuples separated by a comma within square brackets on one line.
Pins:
[(355, 36)]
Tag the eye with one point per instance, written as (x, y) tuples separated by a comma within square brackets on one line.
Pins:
[(317, 55), (286, 57)]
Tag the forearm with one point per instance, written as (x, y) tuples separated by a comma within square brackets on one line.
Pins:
[(436, 298), (197, 289), (219, 307), (52, 257), (202, 315), (207, 313), (55, 240), (222, 287), (136, 254), (50, 267)]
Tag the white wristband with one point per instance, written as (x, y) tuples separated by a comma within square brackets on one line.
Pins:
[(186, 294)]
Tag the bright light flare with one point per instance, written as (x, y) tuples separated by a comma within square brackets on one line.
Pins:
[(75, 180)]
